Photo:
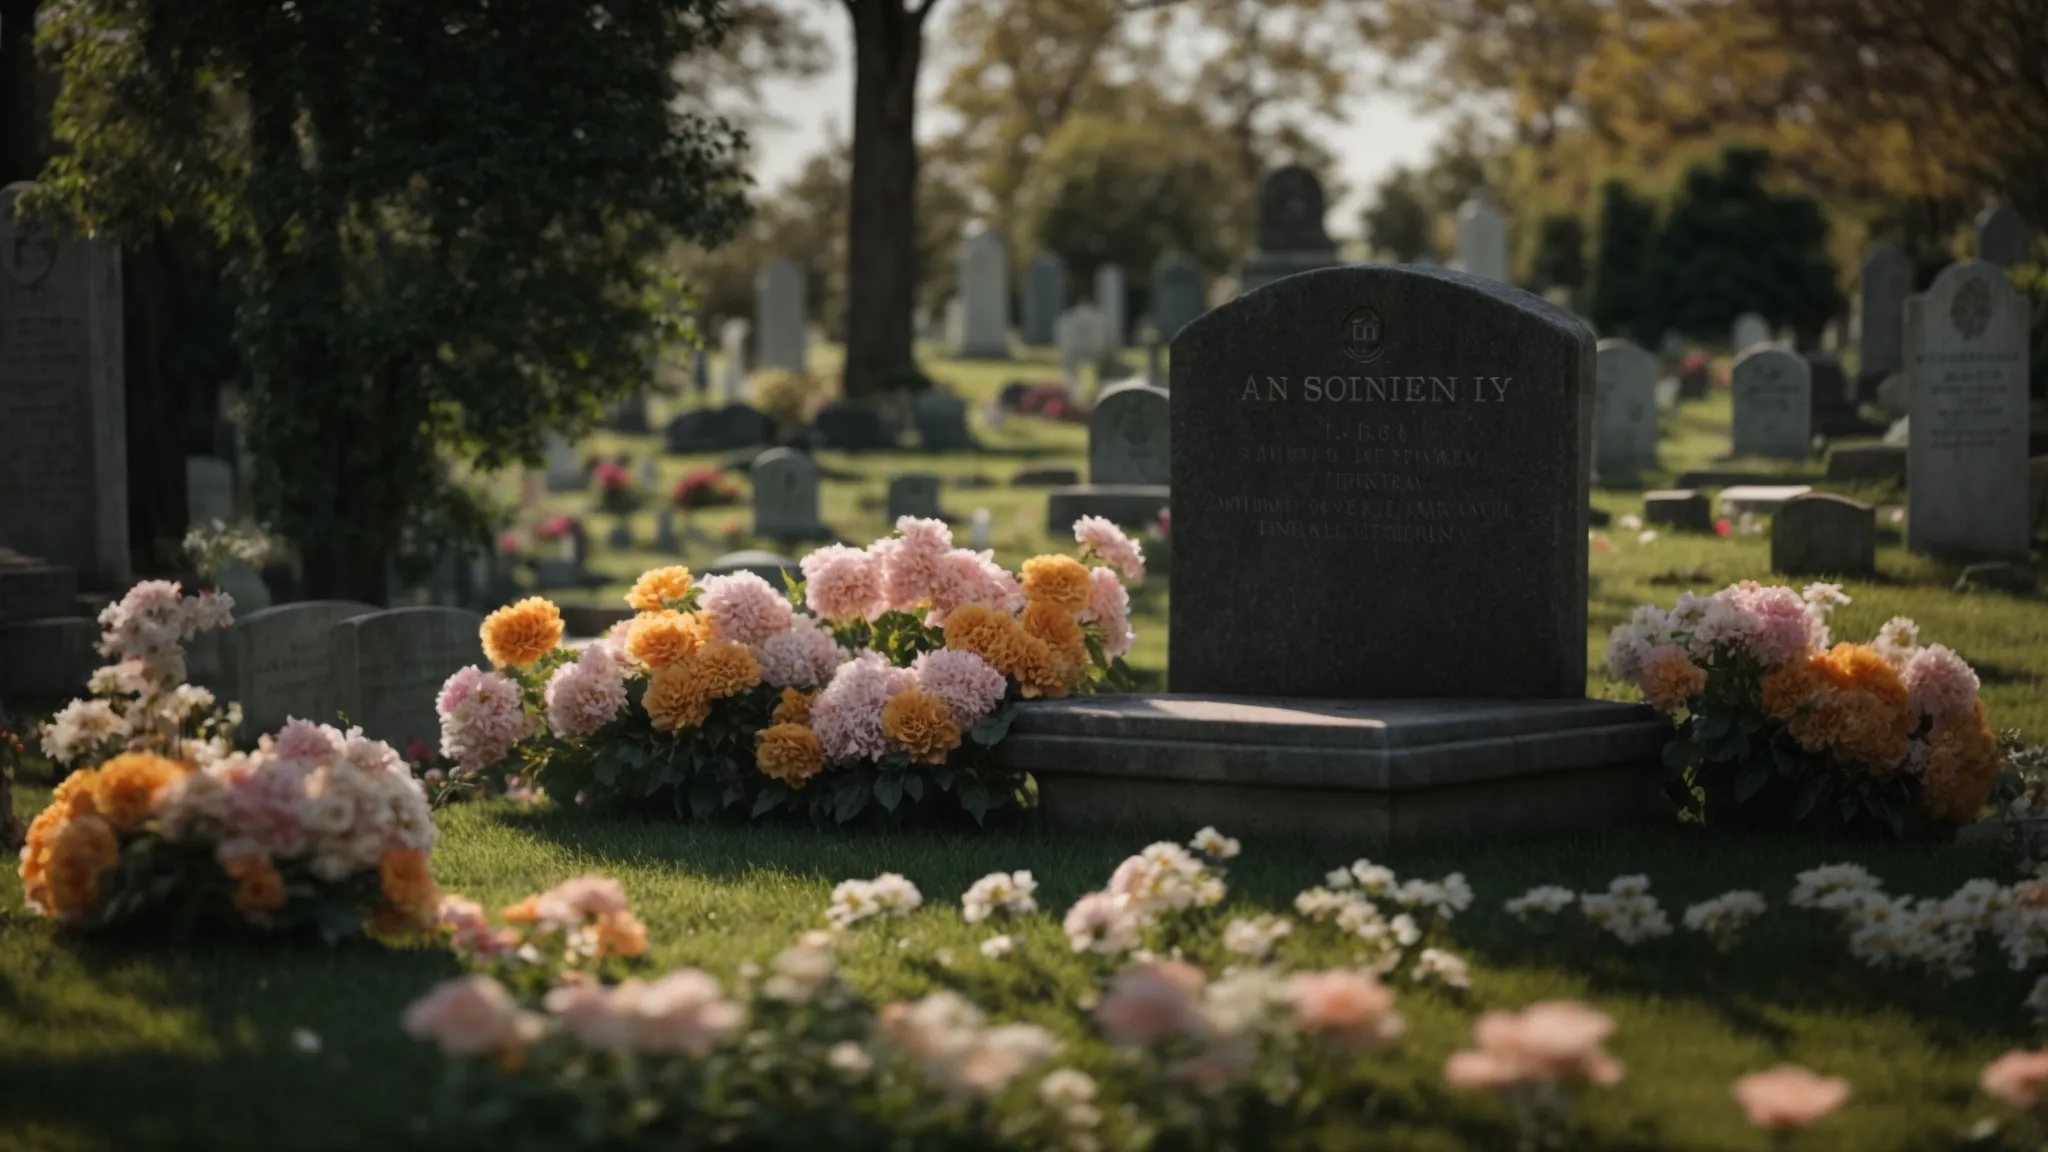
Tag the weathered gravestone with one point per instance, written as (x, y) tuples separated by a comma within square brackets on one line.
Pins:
[(941, 420), (1130, 462), (914, 494), (782, 338), (984, 277), (1381, 502), (1968, 448), (1773, 404), (1750, 331), (732, 341), (1685, 509), (1291, 236), (1076, 331), (1887, 279), (387, 668), (1821, 534), (955, 324), (1178, 295), (630, 415), (1109, 300), (274, 662), (209, 490), (1624, 412), (63, 416), (665, 538), (851, 426), (1044, 297), (565, 471), (718, 430), (2003, 237), (1483, 236), (769, 566), (786, 496)]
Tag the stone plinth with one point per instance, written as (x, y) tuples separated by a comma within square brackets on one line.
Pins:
[(1867, 462), (1762, 499), (1348, 770), (1128, 504), (1681, 508)]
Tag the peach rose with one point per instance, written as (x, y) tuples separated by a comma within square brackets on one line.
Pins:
[(1788, 1096), (2016, 1077), (1149, 1002), (470, 1017), (1351, 1008)]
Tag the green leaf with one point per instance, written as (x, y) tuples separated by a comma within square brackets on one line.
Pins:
[(734, 793), (974, 798), (1752, 778), (913, 786), (889, 791), (606, 770), (770, 797), (851, 802), (991, 731), (1714, 726), (1811, 793), (943, 777), (1680, 756), (704, 797)]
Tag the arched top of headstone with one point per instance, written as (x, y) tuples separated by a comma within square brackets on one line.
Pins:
[(1048, 260), (1622, 352), (2003, 237), (1291, 211), (782, 459), (781, 270), (1481, 199), (28, 241), (1969, 298), (1885, 255)]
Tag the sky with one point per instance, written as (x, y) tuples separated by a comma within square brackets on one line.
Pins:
[(1382, 131)]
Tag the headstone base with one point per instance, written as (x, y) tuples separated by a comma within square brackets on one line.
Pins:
[(1118, 503), (1867, 462), (48, 658), (1351, 770)]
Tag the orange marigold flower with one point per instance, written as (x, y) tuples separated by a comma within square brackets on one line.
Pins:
[(1859, 667), (124, 788), (1670, 678), (724, 669), (922, 724), (74, 794), (620, 934), (794, 707), (36, 849), (1060, 580), (1962, 765), (1037, 672), (1056, 627), (527, 911), (657, 587), (406, 878), (84, 848), (518, 634), (1788, 688), (675, 698), (789, 752), (662, 637), (979, 629), (258, 888)]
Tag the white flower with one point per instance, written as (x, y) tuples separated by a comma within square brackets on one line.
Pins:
[(1375, 879), (897, 896), (1215, 845), (997, 947), (1435, 965), (1103, 923), (1321, 903), (1626, 910), (852, 902), (1545, 899), (1646, 536), (1064, 1089), (849, 1059), (306, 1040), (1254, 939), (1011, 892), (1723, 918), (1337, 878), (1812, 887), (798, 973), (1636, 884), (1629, 522)]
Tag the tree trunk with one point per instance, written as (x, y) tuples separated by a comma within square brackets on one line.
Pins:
[(157, 509), (881, 248), (22, 113)]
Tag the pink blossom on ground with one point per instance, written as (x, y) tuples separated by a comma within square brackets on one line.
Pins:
[(966, 682), (587, 695), (1788, 1096), (1109, 605), (1147, 1003), (912, 562), (1109, 542), (2016, 1077), (744, 608), (684, 1011), (802, 656), (1352, 1009), (482, 716), (1545, 1042), (842, 583), (847, 715), (1940, 683), (582, 896), (465, 1018)]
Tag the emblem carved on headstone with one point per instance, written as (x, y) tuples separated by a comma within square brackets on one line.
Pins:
[(28, 242), (1972, 309), (1362, 335)]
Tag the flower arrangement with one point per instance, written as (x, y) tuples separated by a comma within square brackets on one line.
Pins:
[(555, 528), (570, 933), (881, 681), (615, 491), (316, 829), (1779, 724), (210, 548), (705, 488), (141, 700)]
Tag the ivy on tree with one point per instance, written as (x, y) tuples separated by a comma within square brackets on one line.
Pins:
[(445, 224)]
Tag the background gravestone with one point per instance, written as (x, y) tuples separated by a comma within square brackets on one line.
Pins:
[(1379, 484), (1887, 279), (914, 494), (1079, 335), (851, 426), (1177, 293), (1821, 534), (732, 341), (209, 490), (786, 496), (1624, 412), (984, 276), (779, 316), (274, 661), (1967, 453), (1773, 404), (387, 668), (565, 471), (1109, 299), (63, 413), (1750, 331), (1128, 440), (1044, 297), (1291, 236), (941, 420), (1483, 237), (2003, 237), (718, 430)]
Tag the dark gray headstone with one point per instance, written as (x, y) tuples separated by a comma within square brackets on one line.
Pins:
[(786, 496), (914, 494), (386, 668), (1043, 298), (769, 566), (941, 421), (630, 415), (852, 427), (209, 490), (1291, 236), (1886, 281), (1821, 534), (665, 531), (275, 663), (2003, 237), (1685, 509), (1178, 295), (719, 430), (1392, 461), (1128, 442), (1867, 462), (1968, 443)]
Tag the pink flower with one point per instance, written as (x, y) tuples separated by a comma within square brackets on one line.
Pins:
[(574, 900), (508, 543), (306, 740), (1776, 626), (587, 695), (1109, 605), (842, 583), (1788, 1096), (465, 1018), (1105, 923), (743, 608), (2016, 1077), (911, 563), (1550, 1041), (685, 1011), (1940, 684), (970, 688), (1353, 1009), (847, 715), (964, 577), (1108, 541), (482, 715), (802, 656), (1149, 1002), (597, 1017)]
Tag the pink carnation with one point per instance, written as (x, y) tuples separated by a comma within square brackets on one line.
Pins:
[(803, 655), (585, 696), (482, 717), (964, 578), (1940, 683), (1773, 624), (970, 688), (581, 897), (743, 608), (1109, 605), (1109, 542), (265, 805), (842, 583), (305, 740), (847, 715), (912, 562)]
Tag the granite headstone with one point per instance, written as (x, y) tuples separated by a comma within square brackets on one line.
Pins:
[(780, 325), (1291, 236), (1178, 295), (2003, 237), (386, 668), (1821, 534), (941, 420), (1750, 331), (984, 277), (1128, 441), (1483, 236), (786, 496), (1886, 280), (1109, 300), (1968, 448), (209, 490), (1773, 404), (1044, 297), (732, 341), (1624, 412), (914, 494), (274, 661)]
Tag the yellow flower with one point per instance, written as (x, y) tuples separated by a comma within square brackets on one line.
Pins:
[(675, 699), (84, 848), (1055, 626), (518, 634), (662, 637), (723, 669), (657, 587), (789, 752), (259, 890), (36, 850), (1789, 688), (74, 794), (794, 707), (1037, 671), (1060, 580), (922, 724), (124, 788)]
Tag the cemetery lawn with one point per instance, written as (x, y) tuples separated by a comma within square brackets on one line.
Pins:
[(209, 1044)]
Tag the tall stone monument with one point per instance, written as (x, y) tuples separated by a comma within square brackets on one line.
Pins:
[(1624, 412), (1109, 299), (984, 275), (1967, 457), (1178, 295), (1291, 236), (780, 327), (1887, 279), (1044, 297), (1483, 236)]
